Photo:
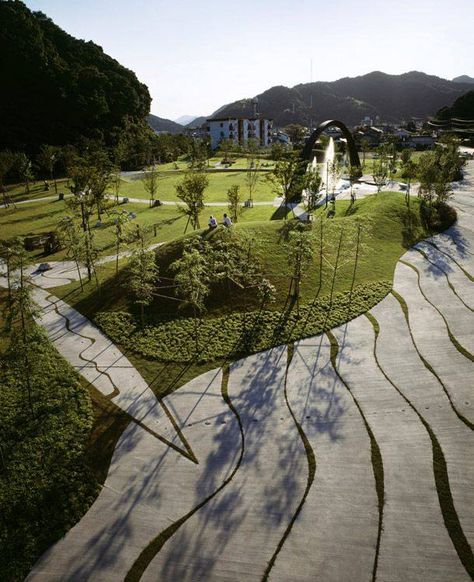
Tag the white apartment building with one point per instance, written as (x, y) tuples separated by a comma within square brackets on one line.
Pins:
[(239, 130)]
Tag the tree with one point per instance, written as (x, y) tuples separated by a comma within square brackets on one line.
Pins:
[(313, 190), (116, 182), (287, 178), (100, 179), (25, 172), (428, 172), (82, 205), (299, 256), (150, 181), (191, 192), (354, 174), (192, 282), (121, 221), (277, 151), (246, 270), (199, 154), (226, 146), (253, 166), (295, 132), (47, 159), (142, 274), (364, 146), (7, 161), (409, 172), (72, 237), (20, 311), (380, 170), (233, 198)]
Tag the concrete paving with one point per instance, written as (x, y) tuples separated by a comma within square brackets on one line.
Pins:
[(235, 536), (414, 544), (334, 537), (149, 486), (432, 340), (403, 365), (96, 358), (435, 287)]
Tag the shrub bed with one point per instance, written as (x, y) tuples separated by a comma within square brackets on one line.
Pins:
[(237, 334), (45, 483)]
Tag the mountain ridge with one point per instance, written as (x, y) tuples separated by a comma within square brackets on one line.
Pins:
[(393, 98)]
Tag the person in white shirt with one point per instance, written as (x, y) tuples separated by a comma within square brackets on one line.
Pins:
[(212, 222), (227, 221)]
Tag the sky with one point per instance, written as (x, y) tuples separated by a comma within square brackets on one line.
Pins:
[(197, 55)]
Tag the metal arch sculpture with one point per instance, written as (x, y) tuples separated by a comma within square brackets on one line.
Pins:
[(353, 154)]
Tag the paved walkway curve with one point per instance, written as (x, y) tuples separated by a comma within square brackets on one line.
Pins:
[(353, 461)]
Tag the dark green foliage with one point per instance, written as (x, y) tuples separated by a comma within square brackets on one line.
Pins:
[(45, 485), (221, 336), (462, 108), (56, 89)]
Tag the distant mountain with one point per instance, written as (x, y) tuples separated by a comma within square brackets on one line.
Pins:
[(159, 124), (185, 119), (393, 98), (197, 122), (463, 79)]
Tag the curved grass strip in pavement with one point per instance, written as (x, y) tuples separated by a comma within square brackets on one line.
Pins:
[(425, 362), (462, 350), (145, 558), (115, 391), (376, 456), (450, 516), (434, 245), (451, 286), (311, 458), (188, 453)]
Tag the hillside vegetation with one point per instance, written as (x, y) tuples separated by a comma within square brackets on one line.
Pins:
[(391, 97), (58, 89)]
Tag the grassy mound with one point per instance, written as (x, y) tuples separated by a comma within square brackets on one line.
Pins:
[(388, 229)]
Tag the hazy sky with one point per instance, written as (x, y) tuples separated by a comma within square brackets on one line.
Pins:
[(198, 55)]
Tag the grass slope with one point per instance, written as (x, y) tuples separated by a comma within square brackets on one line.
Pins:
[(46, 484), (388, 229)]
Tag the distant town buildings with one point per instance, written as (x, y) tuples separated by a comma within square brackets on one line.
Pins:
[(239, 130)]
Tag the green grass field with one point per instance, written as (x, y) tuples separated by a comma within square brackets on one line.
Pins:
[(44, 216), (219, 183)]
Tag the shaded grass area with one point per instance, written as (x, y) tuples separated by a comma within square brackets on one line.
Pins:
[(46, 484)]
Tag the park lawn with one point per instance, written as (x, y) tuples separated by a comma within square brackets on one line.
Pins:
[(43, 216), (219, 183), (17, 192)]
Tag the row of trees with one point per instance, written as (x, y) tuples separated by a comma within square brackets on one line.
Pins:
[(435, 170)]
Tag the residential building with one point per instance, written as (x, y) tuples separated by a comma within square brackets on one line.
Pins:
[(239, 130)]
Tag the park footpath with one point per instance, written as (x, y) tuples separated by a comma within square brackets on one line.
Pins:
[(345, 457)]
